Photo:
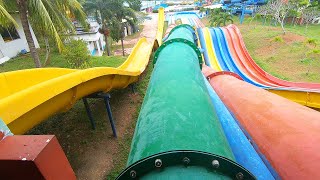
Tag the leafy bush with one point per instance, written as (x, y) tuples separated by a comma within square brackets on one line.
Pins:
[(316, 51), (155, 11), (76, 53), (219, 17), (278, 39), (312, 42)]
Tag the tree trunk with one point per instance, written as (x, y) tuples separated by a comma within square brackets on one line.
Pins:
[(22, 7), (107, 45), (292, 21), (282, 26), (122, 46), (48, 50)]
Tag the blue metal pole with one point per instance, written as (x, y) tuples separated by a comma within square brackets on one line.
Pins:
[(86, 105), (106, 100), (242, 13)]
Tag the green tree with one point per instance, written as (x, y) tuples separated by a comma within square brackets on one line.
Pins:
[(101, 9), (62, 22), (5, 18), (134, 4), (43, 12), (122, 17), (218, 17), (76, 53), (113, 15), (129, 16)]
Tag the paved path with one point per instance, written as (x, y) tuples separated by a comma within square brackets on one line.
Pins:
[(149, 31)]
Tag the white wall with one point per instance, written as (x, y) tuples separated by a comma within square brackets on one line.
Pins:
[(89, 38), (12, 48)]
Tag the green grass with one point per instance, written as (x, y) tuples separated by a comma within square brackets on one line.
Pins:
[(107, 61), (57, 60), (311, 32)]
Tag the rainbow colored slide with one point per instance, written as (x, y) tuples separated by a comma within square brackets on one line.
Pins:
[(224, 50)]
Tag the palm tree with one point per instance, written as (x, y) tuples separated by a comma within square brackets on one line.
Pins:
[(62, 23), (122, 13), (112, 13), (43, 12), (101, 9), (218, 17)]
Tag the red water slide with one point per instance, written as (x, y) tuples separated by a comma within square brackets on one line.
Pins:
[(286, 133), (248, 65)]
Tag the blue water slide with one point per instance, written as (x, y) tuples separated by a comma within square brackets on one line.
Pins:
[(218, 51), (187, 13), (226, 56), (242, 149), (204, 47)]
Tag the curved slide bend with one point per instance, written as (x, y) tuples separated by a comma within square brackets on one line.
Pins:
[(235, 34), (304, 93), (28, 97), (159, 35), (229, 57)]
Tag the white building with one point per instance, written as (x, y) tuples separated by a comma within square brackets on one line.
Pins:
[(13, 41), (93, 38)]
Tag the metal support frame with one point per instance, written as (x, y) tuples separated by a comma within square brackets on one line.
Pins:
[(133, 88), (106, 97)]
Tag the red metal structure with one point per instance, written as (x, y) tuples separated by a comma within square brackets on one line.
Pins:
[(33, 157)]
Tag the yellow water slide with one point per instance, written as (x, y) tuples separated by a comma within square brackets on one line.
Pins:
[(161, 18), (210, 50), (28, 97)]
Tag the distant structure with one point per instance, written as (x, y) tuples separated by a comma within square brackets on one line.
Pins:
[(242, 7), (94, 39), (13, 41)]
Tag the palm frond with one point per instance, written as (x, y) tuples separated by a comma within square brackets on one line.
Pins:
[(5, 18), (37, 9)]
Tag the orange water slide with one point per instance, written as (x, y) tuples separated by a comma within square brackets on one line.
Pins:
[(286, 133)]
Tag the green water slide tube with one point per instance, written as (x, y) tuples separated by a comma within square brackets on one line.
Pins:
[(178, 135)]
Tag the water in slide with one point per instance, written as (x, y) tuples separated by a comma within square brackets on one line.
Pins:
[(30, 96)]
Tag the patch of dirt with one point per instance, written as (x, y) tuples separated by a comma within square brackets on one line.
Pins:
[(149, 31), (91, 153), (290, 38), (97, 161), (268, 50), (118, 52)]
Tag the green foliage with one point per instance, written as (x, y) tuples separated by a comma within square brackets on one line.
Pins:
[(278, 39), (113, 12), (312, 41), (5, 17), (116, 31), (218, 17), (306, 61), (76, 54), (134, 4), (316, 51), (58, 60)]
